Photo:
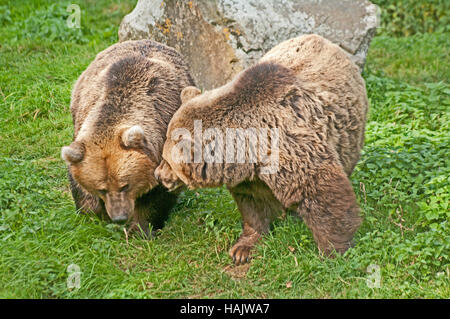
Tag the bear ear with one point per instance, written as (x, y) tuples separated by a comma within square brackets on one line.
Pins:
[(188, 93), (73, 153), (133, 137)]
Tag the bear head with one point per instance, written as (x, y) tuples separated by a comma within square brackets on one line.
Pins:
[(117, 170), (171, 172)]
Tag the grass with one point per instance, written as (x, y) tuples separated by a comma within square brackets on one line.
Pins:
[(401, 183), (418, 59)]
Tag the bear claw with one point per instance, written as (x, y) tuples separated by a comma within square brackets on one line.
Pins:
[(240, 254)]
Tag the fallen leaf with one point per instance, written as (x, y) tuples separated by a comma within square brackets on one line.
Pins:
[(289, 284)]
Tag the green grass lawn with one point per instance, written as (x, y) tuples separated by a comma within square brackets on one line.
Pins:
[(402, 184)]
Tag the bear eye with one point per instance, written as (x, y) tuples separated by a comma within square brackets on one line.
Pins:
[(102, 191), (124, 188)]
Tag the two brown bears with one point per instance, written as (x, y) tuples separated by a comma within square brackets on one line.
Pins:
[(305, 90)]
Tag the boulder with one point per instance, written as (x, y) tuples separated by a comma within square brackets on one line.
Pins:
[(221, 37)]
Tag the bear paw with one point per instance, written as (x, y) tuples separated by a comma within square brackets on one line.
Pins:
[(240, 253)]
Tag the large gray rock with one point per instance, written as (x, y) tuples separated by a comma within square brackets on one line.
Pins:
[(221, 37)]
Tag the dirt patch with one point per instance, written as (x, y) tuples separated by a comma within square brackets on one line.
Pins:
[(237, 272)]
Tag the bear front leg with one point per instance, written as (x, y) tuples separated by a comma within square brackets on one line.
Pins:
[(139, 221), (153, 209), (258, 208), (84, 201), (331, 210)]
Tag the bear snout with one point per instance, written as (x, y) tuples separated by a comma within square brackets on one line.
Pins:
[(120, 218), (119, 206), (165, 175), (158, 174)]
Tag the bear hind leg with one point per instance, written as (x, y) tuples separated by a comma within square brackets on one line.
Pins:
[(332, 213)]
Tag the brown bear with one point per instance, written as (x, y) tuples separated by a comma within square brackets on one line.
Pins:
[(121, 106), (313, 97)]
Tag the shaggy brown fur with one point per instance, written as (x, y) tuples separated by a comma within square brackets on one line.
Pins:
[(310, 90), (121, 106)]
